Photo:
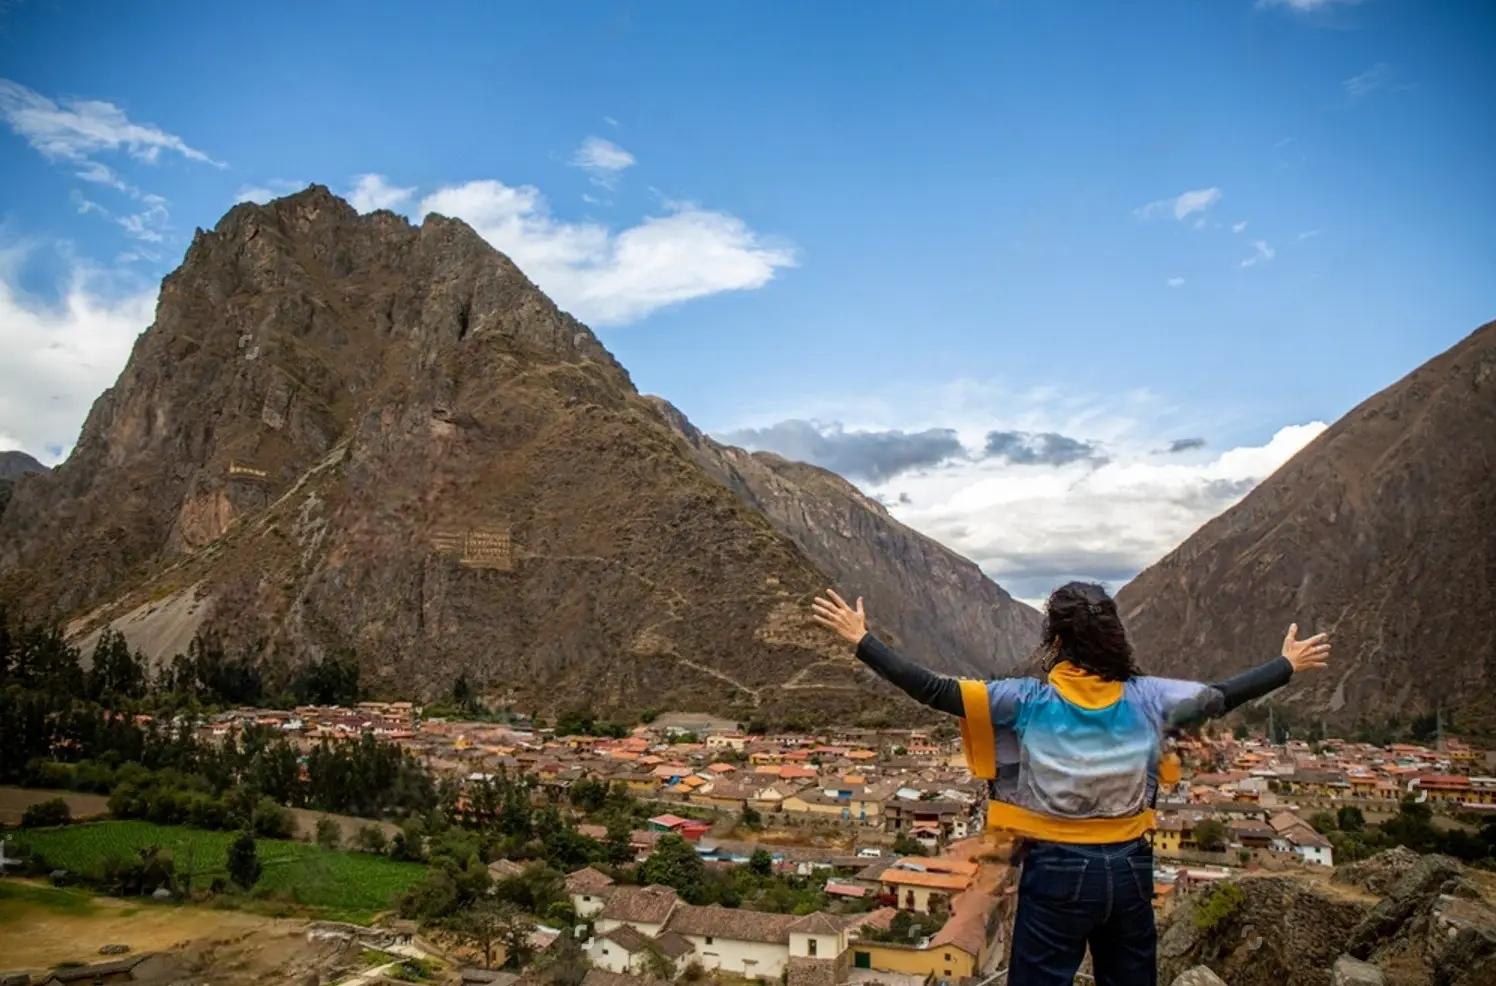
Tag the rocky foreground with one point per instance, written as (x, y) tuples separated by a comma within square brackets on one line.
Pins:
[(1397, 919)]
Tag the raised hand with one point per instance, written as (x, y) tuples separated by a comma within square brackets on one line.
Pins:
[(833, 612), (1306, 654)]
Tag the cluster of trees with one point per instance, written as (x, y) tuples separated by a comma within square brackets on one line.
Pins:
[(110, 727), (1413, 826), (36, 655)]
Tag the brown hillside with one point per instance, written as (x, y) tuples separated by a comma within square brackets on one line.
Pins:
[(1381, 531), (347, 430)]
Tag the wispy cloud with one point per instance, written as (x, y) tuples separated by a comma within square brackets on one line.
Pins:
[(1181, 206), (1176, 282), (75, 131), (1238, 227), (1309, 235), (609, 277), (74, 128), (1368, 82), (1263, 254), (603, 161), (371, 193), (611, 122)]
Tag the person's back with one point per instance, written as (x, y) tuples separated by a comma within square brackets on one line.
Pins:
[(1072, 765)]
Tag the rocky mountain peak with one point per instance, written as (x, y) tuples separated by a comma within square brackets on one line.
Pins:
[(347, 431)]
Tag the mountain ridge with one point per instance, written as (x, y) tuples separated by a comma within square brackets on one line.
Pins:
[(351, 431), (1381, 531)]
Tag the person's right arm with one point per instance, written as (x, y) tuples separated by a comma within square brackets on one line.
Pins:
[(924, 686)]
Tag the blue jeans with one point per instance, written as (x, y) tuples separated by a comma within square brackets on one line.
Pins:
[(1070, 896)]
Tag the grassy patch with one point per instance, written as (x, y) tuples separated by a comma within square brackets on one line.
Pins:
[(347, 885), (17, 898)]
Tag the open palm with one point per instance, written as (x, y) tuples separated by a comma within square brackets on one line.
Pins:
[(1306, 654), (833, 611)]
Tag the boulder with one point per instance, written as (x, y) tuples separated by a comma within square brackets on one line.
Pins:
[(1200, 975), (1349, 971)]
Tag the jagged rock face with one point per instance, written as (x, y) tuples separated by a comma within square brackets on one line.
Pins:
[(1382, 530), (1287, 931), (351, 431), (1433, 927), (916, 590)]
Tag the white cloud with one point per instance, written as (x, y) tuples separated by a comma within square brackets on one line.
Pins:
[(1263, 255), (371, 193), (1181, 206), (1031, 526), (603, 161), (1374, 78), (1307, 235), (1176, 282), (1238, 227), (273, 189), (611, 278), (59, 357), (74, 128)]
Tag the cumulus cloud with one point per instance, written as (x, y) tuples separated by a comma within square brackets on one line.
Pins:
[(371, 193), (608, 277), (1181, 206), (1102, 518), (60, 356), (876, 456), (1263, 254), (1022, 448), (603, 161)]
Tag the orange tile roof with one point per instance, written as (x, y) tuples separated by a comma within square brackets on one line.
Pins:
[(934, 881)]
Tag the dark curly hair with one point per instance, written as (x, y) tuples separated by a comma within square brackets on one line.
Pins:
[(1082, 626)]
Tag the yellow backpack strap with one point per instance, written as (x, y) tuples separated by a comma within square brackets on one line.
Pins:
[(977, 740)]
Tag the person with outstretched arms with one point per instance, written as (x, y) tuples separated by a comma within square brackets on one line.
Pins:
[(1072, 765)]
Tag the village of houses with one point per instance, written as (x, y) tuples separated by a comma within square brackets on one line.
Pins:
[(835, 804)]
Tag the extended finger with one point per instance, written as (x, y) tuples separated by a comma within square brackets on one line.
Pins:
[(1317, 638), (837, 599)]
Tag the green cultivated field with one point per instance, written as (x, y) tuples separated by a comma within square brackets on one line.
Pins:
[(349, 885)]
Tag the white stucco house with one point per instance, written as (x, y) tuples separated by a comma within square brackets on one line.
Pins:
[(589, 890)]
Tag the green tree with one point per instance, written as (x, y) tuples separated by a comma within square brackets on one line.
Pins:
[(1350, 819), (371, 838), (761, 863), (906, 845), (46, 813), (329, 834), (618, 846), (488, 926), (244, 861), (1323, 822), (675, 863), (750, 818), (1210, 836)]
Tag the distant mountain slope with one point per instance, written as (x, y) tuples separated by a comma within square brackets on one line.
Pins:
[(1382, 531), (15, 464), (918, 590), (349, 431)]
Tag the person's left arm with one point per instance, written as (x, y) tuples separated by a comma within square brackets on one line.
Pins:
[(1187, 703)]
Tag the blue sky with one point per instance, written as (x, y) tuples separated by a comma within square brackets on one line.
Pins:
[(987, 259)]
